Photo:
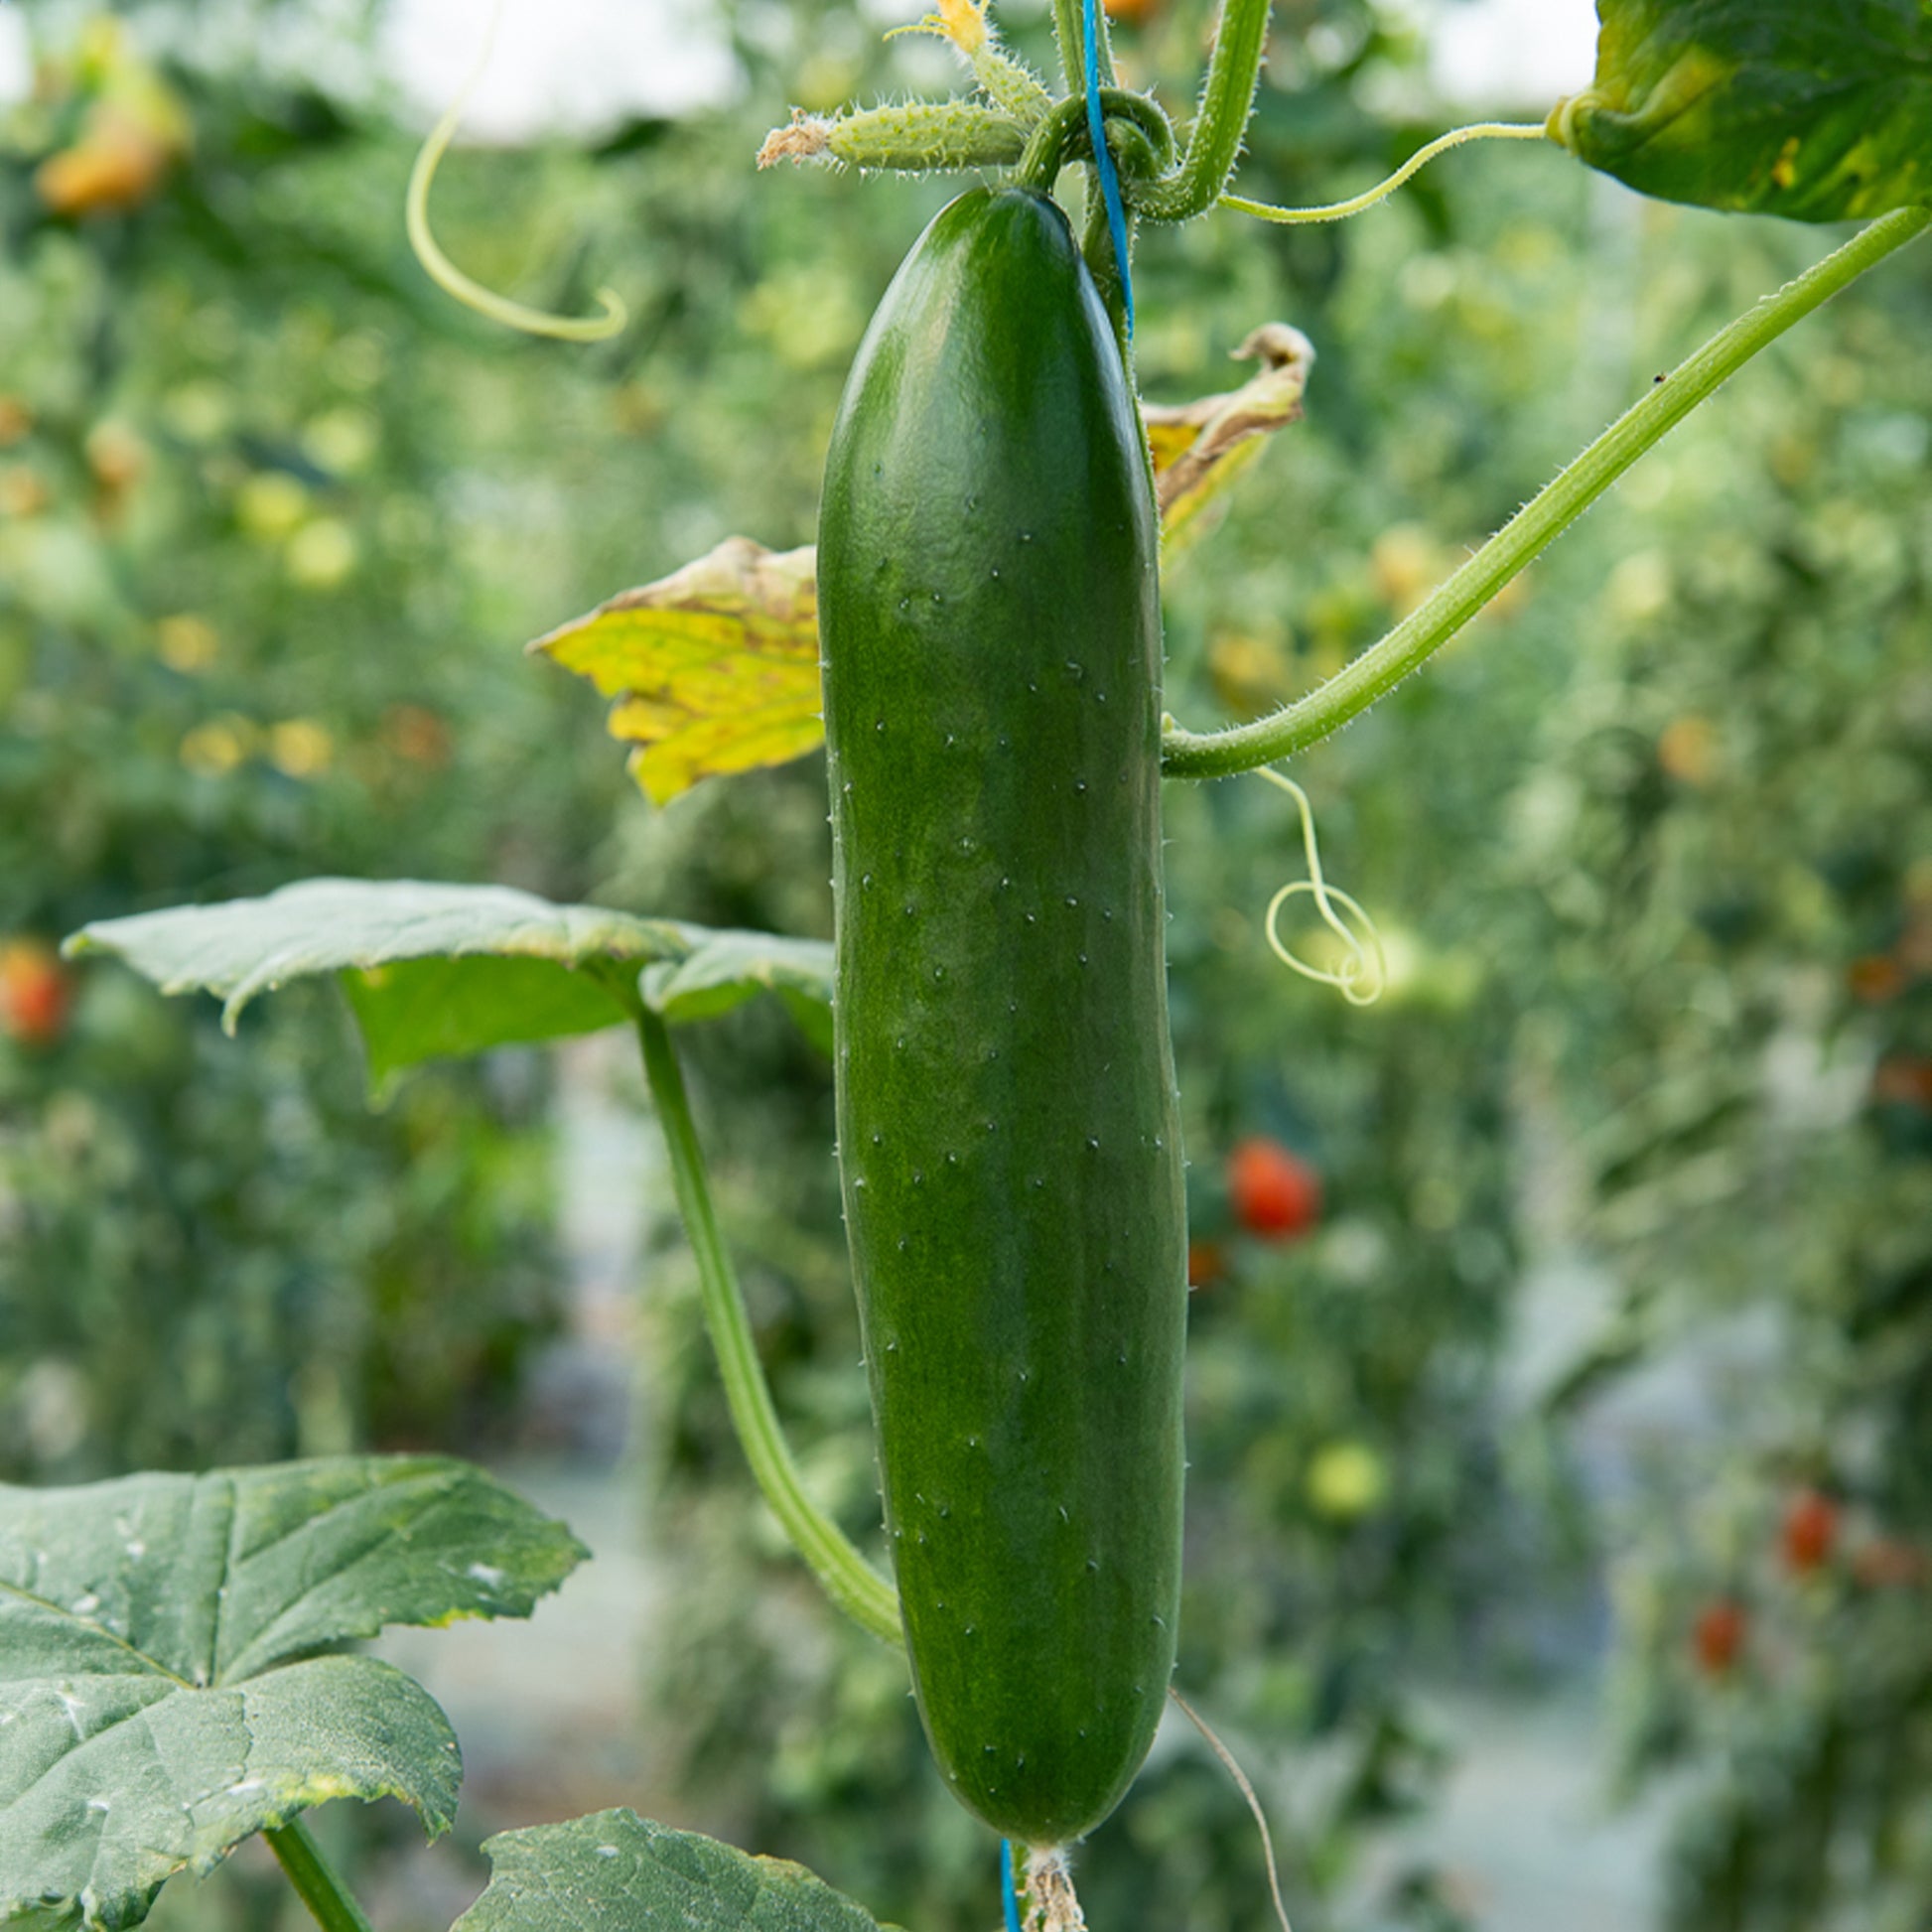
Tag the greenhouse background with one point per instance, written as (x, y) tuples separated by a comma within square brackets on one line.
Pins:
[(1560, 1519)]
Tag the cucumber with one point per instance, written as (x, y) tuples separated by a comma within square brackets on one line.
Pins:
[(1009, 1140)]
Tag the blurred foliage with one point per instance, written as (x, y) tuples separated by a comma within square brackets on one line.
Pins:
[(249, 630), (1623, 1285)]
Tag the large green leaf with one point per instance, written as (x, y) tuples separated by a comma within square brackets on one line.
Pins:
[(1817, 109), (249, 946), (161, 1697), (615, 1872), (435, 971), (448, 1009), (729, 968)]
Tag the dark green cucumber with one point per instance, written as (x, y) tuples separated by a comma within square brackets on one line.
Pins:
[(1008, 1134)]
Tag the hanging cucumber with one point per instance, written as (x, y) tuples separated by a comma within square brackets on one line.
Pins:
[(989, 613)]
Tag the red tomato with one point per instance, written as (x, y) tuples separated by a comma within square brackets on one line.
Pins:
[(1876, 979), (1886, 1563), (1717, 1635), (1206, 1264), (1903, 1080), (1275, 1194), (1810, 1531), (34, 992)]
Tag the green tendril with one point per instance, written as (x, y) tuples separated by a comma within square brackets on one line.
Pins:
[(1363, 974), (1341, 211), (445, 273)]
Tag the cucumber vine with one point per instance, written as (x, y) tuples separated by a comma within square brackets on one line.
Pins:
[(1170, 180), (413, 1563)]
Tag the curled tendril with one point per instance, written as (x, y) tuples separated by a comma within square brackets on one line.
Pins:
[(1363, 973), (445, 273)]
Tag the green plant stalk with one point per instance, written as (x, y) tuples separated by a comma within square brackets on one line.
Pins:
[(851, 1582), (1069, 32), (1097, 245), (315, 1879), (1219, 755), (1137, 131), (1220, 122)]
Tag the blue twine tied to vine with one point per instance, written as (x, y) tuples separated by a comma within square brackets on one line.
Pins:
[(1009, 1896), (1103, 162)]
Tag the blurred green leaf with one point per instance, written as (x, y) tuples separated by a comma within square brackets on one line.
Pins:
[(434, 971), (1822, 113), (448, 1009), (159, 1691), (728, 968), (615, 1872), (249, 946)]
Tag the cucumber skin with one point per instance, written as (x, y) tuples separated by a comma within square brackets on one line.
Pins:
[(1008, 1128)]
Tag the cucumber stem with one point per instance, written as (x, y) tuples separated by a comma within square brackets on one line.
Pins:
[(314, 1879), (1220, 122), (1139, 135), (1069, 32), (851, 1582), (1219, 755)]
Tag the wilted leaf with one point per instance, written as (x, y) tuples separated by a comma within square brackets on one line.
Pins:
[(160, 1695), (714, 668), (439, 971), (615, 1872), (1819, 112), (1200, 448), (133, 129)]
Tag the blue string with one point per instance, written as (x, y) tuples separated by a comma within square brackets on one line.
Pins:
[(1103, 161), (1009, 1896)]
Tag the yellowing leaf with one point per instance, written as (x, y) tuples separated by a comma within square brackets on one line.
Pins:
[(1199, 448), (135, 127), (113, 168), (714, 668), (1820, 113)]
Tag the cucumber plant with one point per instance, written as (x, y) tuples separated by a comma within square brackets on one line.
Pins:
[(989, 621)]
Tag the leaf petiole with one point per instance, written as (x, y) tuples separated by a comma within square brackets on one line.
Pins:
[(851, 1582), (1219, 755), (315, 1879)]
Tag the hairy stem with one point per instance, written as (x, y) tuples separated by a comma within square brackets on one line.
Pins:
[(1221, 122), (1070, 34), (315, 1879), (1217, 754), (1103, 262), (1138, 133), (851, 1582)]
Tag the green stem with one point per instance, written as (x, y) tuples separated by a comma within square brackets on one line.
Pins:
[(1069, 30), (1097, 245), (1218, 755), (851, 1582), (314, 1878), (1066, 32), (1221, 123), (1137, 131)]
